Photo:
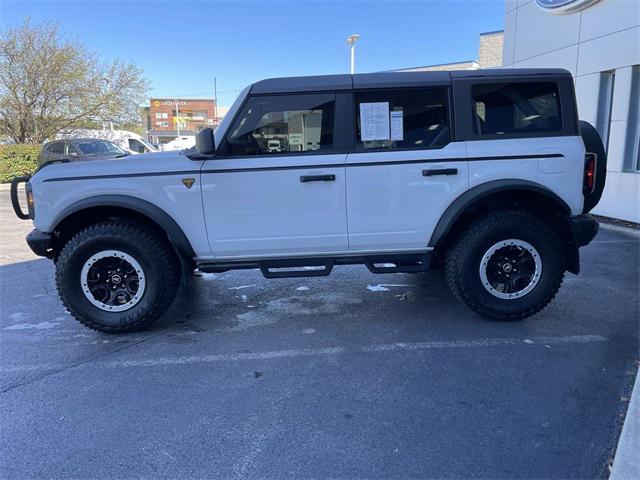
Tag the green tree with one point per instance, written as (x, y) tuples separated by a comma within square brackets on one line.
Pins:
[(49, 83)]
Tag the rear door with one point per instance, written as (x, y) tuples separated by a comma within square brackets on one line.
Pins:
[(277, 184), (525, 128), (406, 169)]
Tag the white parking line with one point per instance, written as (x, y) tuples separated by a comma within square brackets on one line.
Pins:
[(309, 352)]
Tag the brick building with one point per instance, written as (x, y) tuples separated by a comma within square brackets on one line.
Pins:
[(489, 56), (170, 118)]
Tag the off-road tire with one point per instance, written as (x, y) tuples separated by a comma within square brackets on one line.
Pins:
[(147, 246), (463, 258)]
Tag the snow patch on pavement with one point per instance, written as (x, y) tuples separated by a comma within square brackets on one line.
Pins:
[(207, 276), (382, 287), (242, 286), (28, 326), (377, 288)]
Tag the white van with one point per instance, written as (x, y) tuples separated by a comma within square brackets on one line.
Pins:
[(128, 141), (180, 143)]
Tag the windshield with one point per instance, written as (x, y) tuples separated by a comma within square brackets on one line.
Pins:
[(98, 147), (148, 145)]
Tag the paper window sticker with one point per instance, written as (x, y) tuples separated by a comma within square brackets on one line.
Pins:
[(374, 121), (397, 125)]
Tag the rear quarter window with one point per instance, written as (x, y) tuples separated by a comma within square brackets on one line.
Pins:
[(520, 108), (56, 147)]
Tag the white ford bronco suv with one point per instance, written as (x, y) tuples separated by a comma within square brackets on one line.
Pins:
[(487, 173)]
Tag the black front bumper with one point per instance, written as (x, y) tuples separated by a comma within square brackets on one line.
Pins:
[(41, 243), (583, 229)]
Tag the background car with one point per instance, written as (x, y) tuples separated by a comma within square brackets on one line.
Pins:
[(129, 141), (75, 149)]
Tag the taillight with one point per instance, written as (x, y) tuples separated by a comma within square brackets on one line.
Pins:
[(589, 180)]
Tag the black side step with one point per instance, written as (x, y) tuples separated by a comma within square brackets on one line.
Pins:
[(296, 268), (322, 266), (406, 265)]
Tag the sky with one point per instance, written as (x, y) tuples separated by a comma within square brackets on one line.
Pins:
[(183, 45)]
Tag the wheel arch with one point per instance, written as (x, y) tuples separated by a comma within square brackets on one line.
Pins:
[(503, 194), (92, 209)]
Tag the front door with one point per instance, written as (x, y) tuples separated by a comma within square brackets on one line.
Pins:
[(277, 186), (405, 171)]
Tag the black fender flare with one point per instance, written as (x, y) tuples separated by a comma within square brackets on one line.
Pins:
[(477, 193), (175, 234)]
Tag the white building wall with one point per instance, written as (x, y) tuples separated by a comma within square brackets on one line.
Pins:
[(600, 46)]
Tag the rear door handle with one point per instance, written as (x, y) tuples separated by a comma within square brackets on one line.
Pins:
[(439, 171), (317, 178)]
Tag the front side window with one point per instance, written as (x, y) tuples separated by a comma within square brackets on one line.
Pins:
[(69, 149), (402, 119), (516, 108), (278, 124)]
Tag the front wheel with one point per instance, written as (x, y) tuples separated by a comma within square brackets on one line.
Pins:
[(507, 265), (117, 277)]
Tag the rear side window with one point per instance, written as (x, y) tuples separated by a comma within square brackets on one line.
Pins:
[(56, 147), (279, 124), (402, 119), (516, 108)]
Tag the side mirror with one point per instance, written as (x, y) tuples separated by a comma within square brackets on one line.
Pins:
[(73, 154), (205, 144)]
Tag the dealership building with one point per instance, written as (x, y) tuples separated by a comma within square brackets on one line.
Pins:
[(598, 41), (170, 118)]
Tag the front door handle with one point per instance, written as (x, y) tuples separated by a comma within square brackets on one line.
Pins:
[(317, 178), (439, 171)]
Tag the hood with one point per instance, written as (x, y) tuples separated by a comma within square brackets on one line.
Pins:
[(155, 162)]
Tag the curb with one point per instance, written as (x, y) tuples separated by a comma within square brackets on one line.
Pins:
[(616, 228), (5, 187), (626, 465)]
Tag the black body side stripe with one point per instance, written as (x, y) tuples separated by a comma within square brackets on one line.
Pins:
[(124, 175), (306, 167)]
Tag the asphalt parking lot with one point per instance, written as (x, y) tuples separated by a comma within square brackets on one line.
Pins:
[(351, 376)]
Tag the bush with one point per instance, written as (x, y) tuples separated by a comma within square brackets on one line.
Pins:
[(16, 160)]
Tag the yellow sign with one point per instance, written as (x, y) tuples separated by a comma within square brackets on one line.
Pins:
[(181, 121)]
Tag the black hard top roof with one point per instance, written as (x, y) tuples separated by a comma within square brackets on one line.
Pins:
[(388, 79)]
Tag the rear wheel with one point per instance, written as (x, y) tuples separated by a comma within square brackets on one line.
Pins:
[(507, 265), (117, 277)]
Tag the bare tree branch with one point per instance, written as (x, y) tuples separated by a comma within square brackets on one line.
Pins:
[(49, 83)]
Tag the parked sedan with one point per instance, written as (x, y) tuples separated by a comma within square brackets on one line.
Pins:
[(75, 149)]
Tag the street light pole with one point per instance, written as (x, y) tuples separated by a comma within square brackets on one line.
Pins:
[(351, 40), (177, 119), (215, 101)]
